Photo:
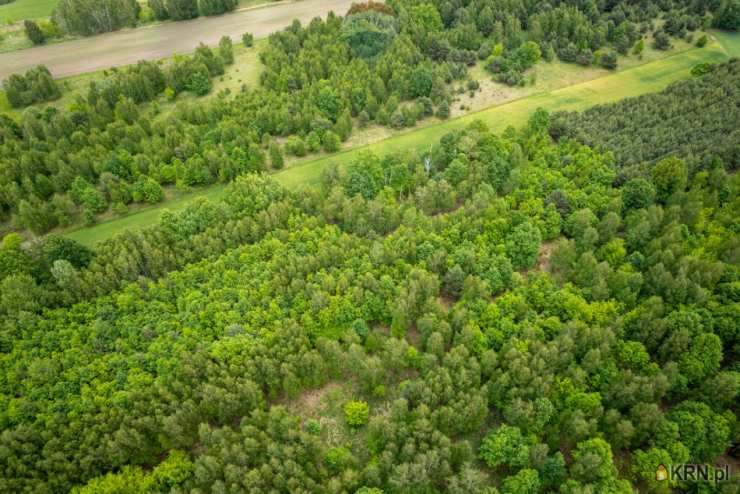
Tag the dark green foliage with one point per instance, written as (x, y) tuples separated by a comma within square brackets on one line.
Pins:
[(159, 7), (182, 9), (369, 32), (728, 15), (662, 41), (608, 60), (35, 86), (511, 66), (88, 17), (33, 32), (693, 119), (248, 39), (638, 193), (216, 7)]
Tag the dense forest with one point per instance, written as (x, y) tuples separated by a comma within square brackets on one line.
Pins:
[(695, 119), (503, 317), (385, 64), (552, 309)]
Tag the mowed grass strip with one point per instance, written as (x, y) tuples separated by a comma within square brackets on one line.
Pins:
[(651, 77)]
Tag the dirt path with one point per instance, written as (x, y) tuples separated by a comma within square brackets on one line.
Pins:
[(130, 46)]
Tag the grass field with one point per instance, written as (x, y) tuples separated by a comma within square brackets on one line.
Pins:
[(26, 9), (650, 77), (730, 42)]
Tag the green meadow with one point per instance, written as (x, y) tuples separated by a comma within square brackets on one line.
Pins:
[(26, 9)]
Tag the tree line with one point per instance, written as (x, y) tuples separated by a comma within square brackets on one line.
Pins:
[(477, 364), (89, 17)]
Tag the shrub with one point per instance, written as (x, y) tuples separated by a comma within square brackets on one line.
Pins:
[(226, 50), (276, 156), (332, 143), (33, 32), (608, 60), (199, 84), (356, 413), (248, 39), (337, 459), (34, 86), (296, 146), (662, 41)]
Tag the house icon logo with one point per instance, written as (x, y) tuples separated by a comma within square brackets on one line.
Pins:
[(661, 473)]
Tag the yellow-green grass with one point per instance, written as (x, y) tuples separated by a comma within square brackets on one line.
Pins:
[(730, 41), (650, 77), (143, 216), (26, 9)]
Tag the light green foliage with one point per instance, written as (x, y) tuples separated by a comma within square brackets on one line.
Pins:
[(505, 446), (356, 413), (526, 481), (523, 245)]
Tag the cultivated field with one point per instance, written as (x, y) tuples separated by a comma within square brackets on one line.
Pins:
[(650, 77), (162, 40)]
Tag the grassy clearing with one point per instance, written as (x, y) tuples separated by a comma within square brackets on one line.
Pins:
[(649, 77), (26, 9), (730, 42)]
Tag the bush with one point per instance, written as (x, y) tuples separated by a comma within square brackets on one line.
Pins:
[(33, 32), (356, 413), (332, 143), (248, 39), (199, 84), (443, 111), (313, 427), (276, 156), (226, 50), (702, 41), (50, 29), (34, 86), (608, 60), (662, 41), (296, 146), (337, 459)]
